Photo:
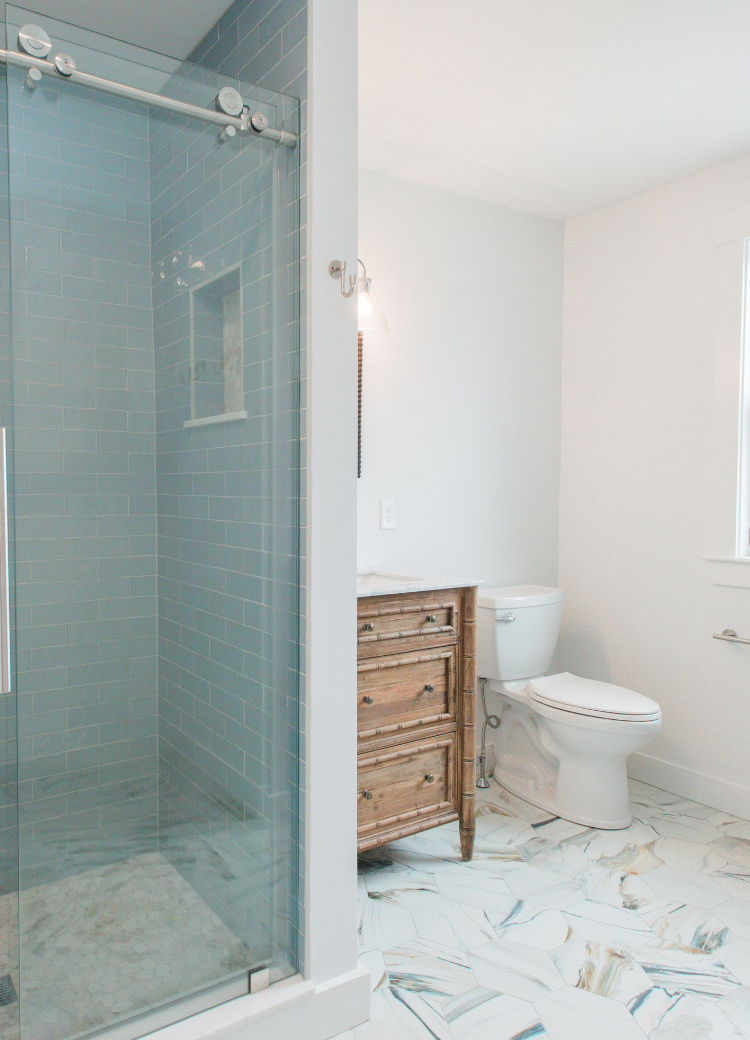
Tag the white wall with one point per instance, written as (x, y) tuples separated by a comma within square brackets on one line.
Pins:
[(461, 402), (649, 419)]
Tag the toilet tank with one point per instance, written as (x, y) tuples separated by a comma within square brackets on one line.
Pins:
[(523, 647)]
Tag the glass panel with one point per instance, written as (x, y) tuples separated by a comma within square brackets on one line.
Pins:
[(9, 976), (155, 383)]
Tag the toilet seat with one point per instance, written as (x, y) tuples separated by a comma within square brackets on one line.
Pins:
[(571, 693)]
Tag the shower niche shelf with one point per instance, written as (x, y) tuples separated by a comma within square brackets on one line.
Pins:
[(216, 377)]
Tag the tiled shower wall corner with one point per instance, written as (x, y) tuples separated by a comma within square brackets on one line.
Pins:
[(84, 481), (265, 42)]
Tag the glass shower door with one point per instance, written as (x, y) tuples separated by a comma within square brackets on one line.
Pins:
[(154, 485)]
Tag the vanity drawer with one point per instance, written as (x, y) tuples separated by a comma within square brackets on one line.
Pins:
[(411, 625), (394, 786), (401, 692)]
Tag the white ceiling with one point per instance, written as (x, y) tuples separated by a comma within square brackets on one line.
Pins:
[(171, 27), (557, 107)]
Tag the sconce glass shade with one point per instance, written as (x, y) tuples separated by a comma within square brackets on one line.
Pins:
[(370, 313)]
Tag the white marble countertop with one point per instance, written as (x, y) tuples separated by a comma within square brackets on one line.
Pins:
[(374, 582)]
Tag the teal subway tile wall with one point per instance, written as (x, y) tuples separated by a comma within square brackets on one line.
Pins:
[(85, 495), (266, 43)]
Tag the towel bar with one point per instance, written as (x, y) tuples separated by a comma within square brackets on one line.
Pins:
[(731, 636)]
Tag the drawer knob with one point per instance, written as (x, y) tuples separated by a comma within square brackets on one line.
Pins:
[(429, 687), (430, 778), (368, 699), (368, 626), (431, 618), (367, 795)]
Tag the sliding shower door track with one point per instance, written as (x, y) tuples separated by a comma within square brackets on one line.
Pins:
[(242, 123)]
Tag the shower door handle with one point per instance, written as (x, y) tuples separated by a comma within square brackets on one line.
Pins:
[(4, 569)]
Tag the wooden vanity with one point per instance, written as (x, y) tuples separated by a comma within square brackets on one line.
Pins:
[(416, 689)]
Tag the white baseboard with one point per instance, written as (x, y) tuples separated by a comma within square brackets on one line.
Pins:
[(292, 1008), (723, 795)]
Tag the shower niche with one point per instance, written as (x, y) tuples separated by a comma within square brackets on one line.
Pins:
[(216, 377)]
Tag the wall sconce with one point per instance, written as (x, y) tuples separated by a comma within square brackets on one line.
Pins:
[(370, 316)]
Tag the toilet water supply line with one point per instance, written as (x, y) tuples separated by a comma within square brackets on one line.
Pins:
[(520, 720), (489, 720)]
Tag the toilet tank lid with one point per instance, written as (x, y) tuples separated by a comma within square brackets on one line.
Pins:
[(519, 596), (591, 697)]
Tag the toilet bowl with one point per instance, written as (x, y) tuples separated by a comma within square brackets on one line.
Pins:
[(563, 740)]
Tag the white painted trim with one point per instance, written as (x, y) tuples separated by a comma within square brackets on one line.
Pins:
[(209, 420), (330, 724), (731, 571), (292, 1008), (700, 787)]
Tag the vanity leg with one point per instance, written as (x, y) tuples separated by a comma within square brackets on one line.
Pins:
[(468, 779)]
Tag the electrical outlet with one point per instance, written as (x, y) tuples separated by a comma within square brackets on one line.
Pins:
[(387, 513)]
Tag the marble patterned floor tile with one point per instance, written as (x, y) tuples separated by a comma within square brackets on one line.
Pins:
[(736, 1006), (649, 1007), (731, 825), (401, 885), (434, 843), (384, 925), (614, 886), (529, 924), (673, 825), (374, 859), (497, 800), (734, 879), (562, 857), (692, 1018), (599, 969), (735, 956), (448, 922), (574, 1014), (676, 804), (483, 1014), (736, 914), (429, 968), (397, 1014), (688, 855), (640, 832), (686, 886), (734, 849), (555, 829), (495, 859), (545, 887), (686, 970), (517, 970), (686, 925), (374, 962), (471, 887), (615, 853), (504, 830), (631, 956), (424, 862), (608, 925)]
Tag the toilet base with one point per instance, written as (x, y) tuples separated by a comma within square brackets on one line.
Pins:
[(544, 798)]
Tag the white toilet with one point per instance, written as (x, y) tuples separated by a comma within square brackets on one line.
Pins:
[(563, 741)]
